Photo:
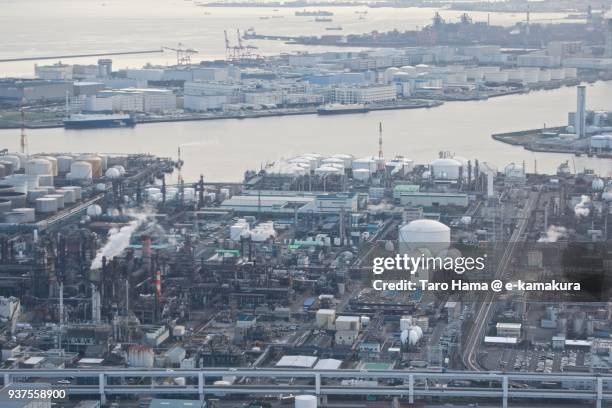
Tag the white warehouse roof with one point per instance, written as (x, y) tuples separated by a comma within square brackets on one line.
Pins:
[(297, 361)]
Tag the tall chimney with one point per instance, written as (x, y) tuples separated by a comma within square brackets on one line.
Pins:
[(580, 118)]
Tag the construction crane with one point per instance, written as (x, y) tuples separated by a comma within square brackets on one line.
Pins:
[(183, 55)]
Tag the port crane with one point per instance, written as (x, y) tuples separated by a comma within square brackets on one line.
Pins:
[(183, 55), (238, 51)]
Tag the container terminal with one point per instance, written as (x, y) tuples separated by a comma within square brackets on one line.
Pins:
[(125, 285)]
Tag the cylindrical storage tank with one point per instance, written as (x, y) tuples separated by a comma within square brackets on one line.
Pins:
[(27, 214), (46, 205), (14, 160), (361, 174), (53, 161), (7, 188), (35, 193), (445, 169), (333, 161), (63, 164), (104, 159), (38, 167), (364, 163), (69, 196), (17, 199), (96, 165), (305, 401), (8, 168), (60, 199), (45, 180), (77, 191), (80, 170), (327, 171), (423, 233), (5, 205), (346, 158)]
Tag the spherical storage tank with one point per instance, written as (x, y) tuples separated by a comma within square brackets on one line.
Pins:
[(112, 173), (38, 167), (445, 169), (305, 401), (94, 210), (428, 234)]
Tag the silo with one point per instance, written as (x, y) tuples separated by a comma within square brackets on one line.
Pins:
[(38, 167), (305, 401), (46, 205)]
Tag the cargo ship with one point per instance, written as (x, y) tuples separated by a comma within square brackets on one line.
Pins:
[(307, 13), (89, 121), (337, 109)]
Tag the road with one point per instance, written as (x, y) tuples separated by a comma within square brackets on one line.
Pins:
[(482, 314)]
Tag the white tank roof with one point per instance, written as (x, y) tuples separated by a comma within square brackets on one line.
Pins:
[(424, 226), (446, 162)]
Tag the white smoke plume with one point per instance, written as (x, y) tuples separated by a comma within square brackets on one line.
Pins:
[(404, 336), (119, 239), (581, 209), (553, 234)]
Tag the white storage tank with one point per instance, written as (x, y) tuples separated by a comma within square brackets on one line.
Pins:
[(69, 196), (327, 171), (53, 161), (346, 158), (59, 198), (46, 205), (361, 174), (14, 160), (77, 191), (597, 184), (45, 180), (63, 164), (445, 169), (94, 210), (37, 167), (423, 233), (35, 193), (80, 170), (17, 199), (332, 161), (368, 163), (305, 401), (21, 215), (514, 171), (95, 162), (112, 173)]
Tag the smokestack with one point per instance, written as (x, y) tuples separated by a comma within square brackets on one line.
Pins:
[(158, 284), (61, 304), (96, 306), (580, 118)]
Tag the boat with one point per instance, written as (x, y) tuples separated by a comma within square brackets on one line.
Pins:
[(338, 28), (323, 19), (89, 121), (313, 13), (338, 108)]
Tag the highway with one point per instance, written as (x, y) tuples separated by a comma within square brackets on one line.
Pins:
[(482, 315), (322, 383)]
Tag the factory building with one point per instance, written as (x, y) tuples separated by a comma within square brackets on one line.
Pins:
[(287, 204), (34, 90), (508, 329), (132, 100), (53, 72), (202, 96), (432, 199), (365, 94)]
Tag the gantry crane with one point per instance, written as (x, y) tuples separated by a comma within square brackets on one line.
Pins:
[(183, 55)]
